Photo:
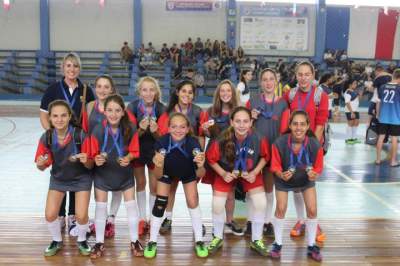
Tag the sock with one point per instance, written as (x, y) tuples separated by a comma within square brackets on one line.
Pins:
[(354, 132), (278, 229), (299, 204), (82, 230), (270, 205), (311, 228), (155, 224), (197, 225), (141, 201), (152, 199), (100, 220), (257, 226), (55, 230), (218, 216), (249, 206), (133, 219), (168, 215), (348, 132), (115, 203)]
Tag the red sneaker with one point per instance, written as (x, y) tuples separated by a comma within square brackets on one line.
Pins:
[(110, 230), (298, 229), (321, 237)]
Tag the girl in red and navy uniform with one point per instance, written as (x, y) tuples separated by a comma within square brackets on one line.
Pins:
[(181, 101), (271, 115), (91, 117), (239, 155), (297, 161), (216, 120), (313, 100), (114, 145), (144, 113), (178, 157), (65, 148)]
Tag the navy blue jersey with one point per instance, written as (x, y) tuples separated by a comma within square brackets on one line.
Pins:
[(136, 112), (178, 162), (59, 91)]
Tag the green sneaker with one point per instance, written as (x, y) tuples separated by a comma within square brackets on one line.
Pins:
[(201, 249), (150, 251), (53, 248), (166, 226), (259, 247), (215, 244), (349, 141), (84, 248), (356, 141)]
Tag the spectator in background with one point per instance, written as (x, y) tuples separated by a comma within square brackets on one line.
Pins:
[(196, 77), (174, 53), (223, 49), (208, 48), (243, 88), (381, 78), (211, 66), (225, 67), (126, 54), (337, 88), (189, 48), (198, 48), (164, 54), (240, 56), (216, 50), (325, 83)]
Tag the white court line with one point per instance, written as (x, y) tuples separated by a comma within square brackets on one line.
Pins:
[(363, 189)]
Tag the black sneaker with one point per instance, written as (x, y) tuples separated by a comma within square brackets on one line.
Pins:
[(204, 229), (233, 228), (166, 226), (268, 230), (248, 229)]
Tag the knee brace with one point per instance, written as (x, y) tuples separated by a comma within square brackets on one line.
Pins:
[(160, 205)]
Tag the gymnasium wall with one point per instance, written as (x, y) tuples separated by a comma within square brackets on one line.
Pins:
[(89, 27), (20, 26)]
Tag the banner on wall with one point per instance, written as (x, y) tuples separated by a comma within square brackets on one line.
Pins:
[(191, 5), (274, 29)]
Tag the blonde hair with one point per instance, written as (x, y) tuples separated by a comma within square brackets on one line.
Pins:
[(72, 56), (151, 80)]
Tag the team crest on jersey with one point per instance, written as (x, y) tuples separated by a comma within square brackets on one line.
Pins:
[(250, 151)]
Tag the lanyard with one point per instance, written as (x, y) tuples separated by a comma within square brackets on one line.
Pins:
[(241, 155), (71, 103), (300, 154), (299, 105), (177, 145), (143, 109), (189, 109), (117, 141), (264, 110), (55, 144)]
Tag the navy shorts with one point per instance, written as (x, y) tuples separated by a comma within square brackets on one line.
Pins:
[(357, 116), (168, 180), (389, 129)]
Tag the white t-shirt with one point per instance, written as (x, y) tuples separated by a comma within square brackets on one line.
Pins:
[(353, 103), (244, 98), (375, 98)]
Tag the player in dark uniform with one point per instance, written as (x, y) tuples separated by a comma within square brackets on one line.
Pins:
[(114, 146), (178, 157), (297, 161), (145, 113), (65, 148)]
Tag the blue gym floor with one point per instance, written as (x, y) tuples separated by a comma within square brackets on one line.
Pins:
[(352, 186)]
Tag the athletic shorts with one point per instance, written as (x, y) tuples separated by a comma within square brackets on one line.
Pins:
[(222, 186), (388, 129), (357, 116)]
